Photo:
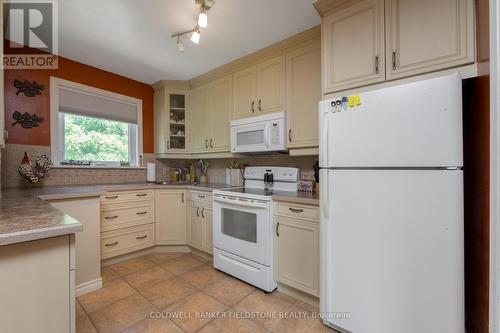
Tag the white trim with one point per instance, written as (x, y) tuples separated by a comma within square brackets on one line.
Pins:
[(494, 295), (87, 287), (56, 140)]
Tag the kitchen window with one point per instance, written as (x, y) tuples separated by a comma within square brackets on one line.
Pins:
[(94, 127)]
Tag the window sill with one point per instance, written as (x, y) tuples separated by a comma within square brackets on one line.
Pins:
[(87, 167)]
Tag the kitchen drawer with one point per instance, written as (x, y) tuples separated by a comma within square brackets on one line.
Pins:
[(127, 196), (122, 241), (116, 216), (201, 197), (298, 211)]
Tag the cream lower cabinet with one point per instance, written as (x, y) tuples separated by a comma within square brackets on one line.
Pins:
[(127, 222), (303, 95), (171, 217), (296, 247), (200, 221), (37, 286)]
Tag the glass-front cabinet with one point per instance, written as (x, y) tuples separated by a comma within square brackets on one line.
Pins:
[(176, 136), (171, 118)]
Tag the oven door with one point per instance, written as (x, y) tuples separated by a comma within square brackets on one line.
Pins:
[(243, 228), (250, 138)]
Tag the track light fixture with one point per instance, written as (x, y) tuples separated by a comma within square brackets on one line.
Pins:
[(204, 6), (180, 46), (195, 37)]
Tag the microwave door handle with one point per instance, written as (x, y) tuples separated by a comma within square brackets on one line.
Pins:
[(267, 135)]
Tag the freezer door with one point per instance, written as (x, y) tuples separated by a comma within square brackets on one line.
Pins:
[(417, 124), (392, 251)]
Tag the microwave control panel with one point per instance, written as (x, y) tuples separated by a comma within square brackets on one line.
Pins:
[(275, 133)]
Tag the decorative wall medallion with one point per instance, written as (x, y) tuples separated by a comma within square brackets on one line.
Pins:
[(26, 120), (29, 89)]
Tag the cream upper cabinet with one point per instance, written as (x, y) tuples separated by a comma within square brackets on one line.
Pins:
[(199, 119), (171, 119), (303, 94), (428, 35), (245, 93), (220, 106), (260, 89), (171, 217), (271, 86), (353, 46)]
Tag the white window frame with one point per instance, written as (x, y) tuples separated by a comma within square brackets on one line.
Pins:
[(57, 120)]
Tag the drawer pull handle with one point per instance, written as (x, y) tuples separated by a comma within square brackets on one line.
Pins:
[(142, 237), (295, 210), (198, 211), (142, 213), (260, 103), (203, 212), (111, 244), (141, 194), (111, 217), (112, 197), (201, 196)]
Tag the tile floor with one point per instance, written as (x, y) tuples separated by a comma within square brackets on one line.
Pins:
[(180, 292)]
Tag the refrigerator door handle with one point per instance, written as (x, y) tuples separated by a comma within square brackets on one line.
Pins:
[(324, 140), (324, 193)]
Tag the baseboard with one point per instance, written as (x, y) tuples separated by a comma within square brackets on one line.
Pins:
[(88, 287), (140, 253), (300, 295), (202, 254)]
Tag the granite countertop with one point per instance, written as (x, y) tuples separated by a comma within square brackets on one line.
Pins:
[(26, 214)]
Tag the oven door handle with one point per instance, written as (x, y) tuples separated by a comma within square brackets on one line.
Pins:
[(241, 202)]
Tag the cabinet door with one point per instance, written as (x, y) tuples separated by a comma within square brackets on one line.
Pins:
[(271, 86), (176, 121), (160, 122), (194, 228), (428, 35), (207, 230), (353, 40), (297, 254), (220, 106), (199, 119), (245, 91), (170, 217), (303, 94)]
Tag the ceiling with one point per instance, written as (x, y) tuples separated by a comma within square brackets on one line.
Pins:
[(132, 37)]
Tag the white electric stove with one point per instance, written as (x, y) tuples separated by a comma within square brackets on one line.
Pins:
[(243, 224)]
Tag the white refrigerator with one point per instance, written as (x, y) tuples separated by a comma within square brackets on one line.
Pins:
[(391, 201)]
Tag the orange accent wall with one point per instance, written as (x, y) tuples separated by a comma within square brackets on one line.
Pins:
[(76, 72)]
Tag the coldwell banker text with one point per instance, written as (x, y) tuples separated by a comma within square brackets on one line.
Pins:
[(30, 35)]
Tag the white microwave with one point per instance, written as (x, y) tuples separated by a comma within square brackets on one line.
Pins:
[(258, 134)]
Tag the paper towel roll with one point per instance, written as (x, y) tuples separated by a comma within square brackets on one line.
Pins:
[(151, 167)]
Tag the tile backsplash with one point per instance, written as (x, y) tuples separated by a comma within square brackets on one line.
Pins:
[(217, 167), (12, 155)]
